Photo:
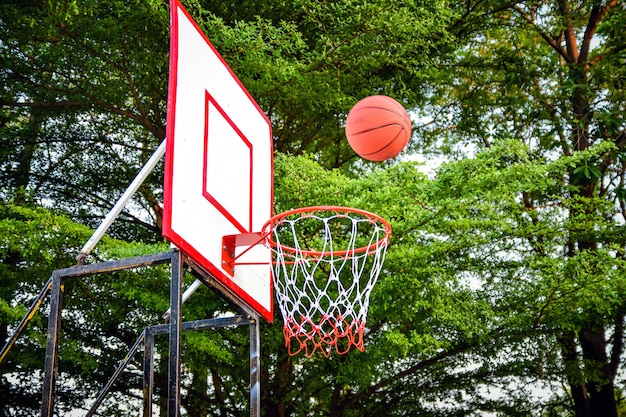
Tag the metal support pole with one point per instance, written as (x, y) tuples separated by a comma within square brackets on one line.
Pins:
[(52, 346), (26, 319), (255, 368), (148, 372), (173, 403), (117, 208), (188, 292)]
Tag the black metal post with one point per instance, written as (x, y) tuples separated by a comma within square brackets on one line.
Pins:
[(148, 372), (255, 368), (52, 345), (173, 403)]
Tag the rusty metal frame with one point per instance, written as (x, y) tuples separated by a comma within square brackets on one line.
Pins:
[(174, 328)]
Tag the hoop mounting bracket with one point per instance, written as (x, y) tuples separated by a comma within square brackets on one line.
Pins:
[(231, 242)]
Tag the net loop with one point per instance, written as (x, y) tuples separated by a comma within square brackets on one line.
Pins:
[(326, 262)]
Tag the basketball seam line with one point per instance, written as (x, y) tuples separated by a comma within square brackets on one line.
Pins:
[(397, 112), (387, 145), (379, 127)]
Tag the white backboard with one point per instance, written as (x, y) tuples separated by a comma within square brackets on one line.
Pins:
[(218, 164)]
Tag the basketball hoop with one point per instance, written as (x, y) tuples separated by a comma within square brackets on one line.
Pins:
[(327, 260)]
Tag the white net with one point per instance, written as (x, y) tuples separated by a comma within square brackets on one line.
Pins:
[(326, 262)]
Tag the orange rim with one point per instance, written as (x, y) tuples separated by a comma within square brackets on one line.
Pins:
[(279, 219)]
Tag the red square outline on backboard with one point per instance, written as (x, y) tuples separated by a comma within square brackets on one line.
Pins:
[(212, 199), (168, 231)]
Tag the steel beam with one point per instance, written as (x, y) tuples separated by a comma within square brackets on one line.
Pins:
[(148, 372), (255, 368), (52, 346), (173, 402)]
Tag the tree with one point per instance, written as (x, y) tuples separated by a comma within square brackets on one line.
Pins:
[(83, 104), (548, 74), (323, 58)]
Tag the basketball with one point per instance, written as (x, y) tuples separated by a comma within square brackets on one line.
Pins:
[(378, 128)]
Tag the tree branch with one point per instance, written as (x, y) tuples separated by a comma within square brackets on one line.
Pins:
[(597, 13), (612, 51), (569, 33), (620, 142), (409, 371), (55, 105), (553, 44)]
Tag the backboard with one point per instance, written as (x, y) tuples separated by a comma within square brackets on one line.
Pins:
[(218, 165)]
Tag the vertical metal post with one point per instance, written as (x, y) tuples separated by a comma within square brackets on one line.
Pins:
[(255, 368), (52, 346), (173, 403), (148, 372)]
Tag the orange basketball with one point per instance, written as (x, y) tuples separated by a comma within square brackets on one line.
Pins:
[(378, 128)]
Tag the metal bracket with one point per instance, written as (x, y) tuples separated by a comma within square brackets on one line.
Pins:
[(231, 242)]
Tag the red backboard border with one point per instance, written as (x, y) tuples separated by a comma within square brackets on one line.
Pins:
[(167, 230)]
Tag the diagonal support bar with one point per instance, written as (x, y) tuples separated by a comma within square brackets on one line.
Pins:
[(117, 208), (31, 312), (120, 368)]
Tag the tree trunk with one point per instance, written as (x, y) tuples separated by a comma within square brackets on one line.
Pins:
[(593, 394), (574, 376), (600, 378), (593, 389), (275, 392)]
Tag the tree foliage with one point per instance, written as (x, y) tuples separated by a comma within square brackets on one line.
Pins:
[(102, 315), (545, 74)]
